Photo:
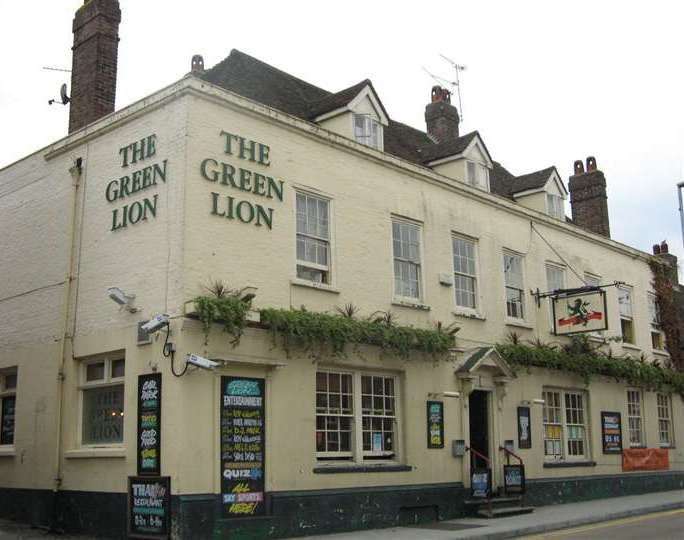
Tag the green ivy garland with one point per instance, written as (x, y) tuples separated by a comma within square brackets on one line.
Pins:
[(307, 329), (594, 363), (669, 318), (230, 311)]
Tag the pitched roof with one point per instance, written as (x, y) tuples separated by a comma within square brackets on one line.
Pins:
[(437, 151), (533, 180), (503, 182), (341, 99)]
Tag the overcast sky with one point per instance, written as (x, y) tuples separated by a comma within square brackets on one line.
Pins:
[(545, 84)]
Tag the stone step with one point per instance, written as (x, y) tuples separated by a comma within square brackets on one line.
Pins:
[(495, 501), (505, 512)]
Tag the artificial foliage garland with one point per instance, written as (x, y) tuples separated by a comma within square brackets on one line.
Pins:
[(669, 318), (592, 363)]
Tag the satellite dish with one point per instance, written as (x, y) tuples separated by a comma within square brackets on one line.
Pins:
[(63, 94)]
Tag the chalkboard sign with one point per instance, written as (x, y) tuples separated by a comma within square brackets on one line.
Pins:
[(7, 416), (611, 432), (149, 424), (242, 446), (481, 483), (435, 424), (149, 506), (524, 428), (514, 478)]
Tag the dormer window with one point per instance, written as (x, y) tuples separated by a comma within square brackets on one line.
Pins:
[(554, 206), (367, 130), (477, 175)]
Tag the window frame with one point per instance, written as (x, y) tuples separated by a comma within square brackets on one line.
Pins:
[(369, 122), (553, 210), (357, 455), (561, 268), (106, 382), (479, 170), (511, 253), (655, 322), (475, 276), (627, 318), (328, 270), (660, 407), (587, 277), (640, 417), (420, 265), (564, 456), (8, 392)]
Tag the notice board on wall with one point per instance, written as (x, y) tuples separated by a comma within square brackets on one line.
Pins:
[(243, 439), (611, 432), (149, 424), (149, 506), (435, 424)]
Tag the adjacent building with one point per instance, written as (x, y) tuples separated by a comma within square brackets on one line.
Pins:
[(247, 175)]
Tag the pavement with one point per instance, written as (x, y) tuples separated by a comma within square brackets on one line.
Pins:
[(543, 519)]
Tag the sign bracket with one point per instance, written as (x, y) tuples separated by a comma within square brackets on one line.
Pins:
[(538, 295)]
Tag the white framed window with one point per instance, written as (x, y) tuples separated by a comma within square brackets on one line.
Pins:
[(477, 175), (313, 238), (657, 338), (635, 422), (8, 405), (515, 288), (356, 416), (626, 317), (407, 259), (555, 281), (592, 280), (465, 272), (665, 435), (564, 418), (102, 401), (554, 206), (367, 130)]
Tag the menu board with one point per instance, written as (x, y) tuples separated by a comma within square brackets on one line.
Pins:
[(611, 432), (242, 446), (149, 506), (149, 424), (524, 428), (514, 478), (435, 424), (481, 483), (7, 415)]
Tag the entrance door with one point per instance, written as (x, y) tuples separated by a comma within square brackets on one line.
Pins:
[(479, 428)]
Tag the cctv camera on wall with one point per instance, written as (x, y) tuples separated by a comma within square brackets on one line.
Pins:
[(200, 362), (155, 323)]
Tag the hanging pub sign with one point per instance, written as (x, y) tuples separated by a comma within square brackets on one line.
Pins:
[(579, 312), (514, 479), (435, 424), (524, 428), (149, 506), (242, 446), (611, 432), (481, 483), (149, 424)]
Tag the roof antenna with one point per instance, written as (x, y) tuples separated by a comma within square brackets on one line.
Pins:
[(454, 84), (63, 95)]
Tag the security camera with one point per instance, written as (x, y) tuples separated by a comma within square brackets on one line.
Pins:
[(201, 362), (119, 296), (155, 323)]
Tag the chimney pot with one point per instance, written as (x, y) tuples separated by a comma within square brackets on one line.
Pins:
[(197, 64), (579, 167), (656, 249), (440, 94), (588, 198), (664, 248), (591, 164)]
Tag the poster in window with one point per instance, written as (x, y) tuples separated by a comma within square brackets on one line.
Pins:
[(514, 479), (579, 312), (435, 424), (611, 432), (149, 424), (524, 428), (149, 506), (7, 417), (242, 447)]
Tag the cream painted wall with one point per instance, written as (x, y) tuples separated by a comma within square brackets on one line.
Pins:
[(534, 201)]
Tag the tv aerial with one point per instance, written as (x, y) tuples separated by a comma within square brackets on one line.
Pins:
[(454, 84), (63, 96)]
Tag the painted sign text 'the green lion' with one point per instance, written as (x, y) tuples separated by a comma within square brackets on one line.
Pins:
[(242, 179)]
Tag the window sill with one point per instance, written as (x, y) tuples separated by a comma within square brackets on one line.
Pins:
[(469, 314), (519, 323), (334, 469), (313, 285), (7, 451), (95, 453), (630, 347), (567, 464), (410, 304), (661, 352)]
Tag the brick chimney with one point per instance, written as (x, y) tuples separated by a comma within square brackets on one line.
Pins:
[(588, 198), (93, 71), (662, 252), (441, 116)]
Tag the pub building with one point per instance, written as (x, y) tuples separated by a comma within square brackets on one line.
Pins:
[(127, 408)]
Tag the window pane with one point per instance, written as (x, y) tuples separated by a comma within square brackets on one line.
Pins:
[(555, 278), (95, 371), (10, 381), (103, 410), (118, 368), (7, 413), (513, 271), (625, 301)]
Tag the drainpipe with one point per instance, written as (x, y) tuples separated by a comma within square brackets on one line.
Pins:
[(681, 208), (75, 172)]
